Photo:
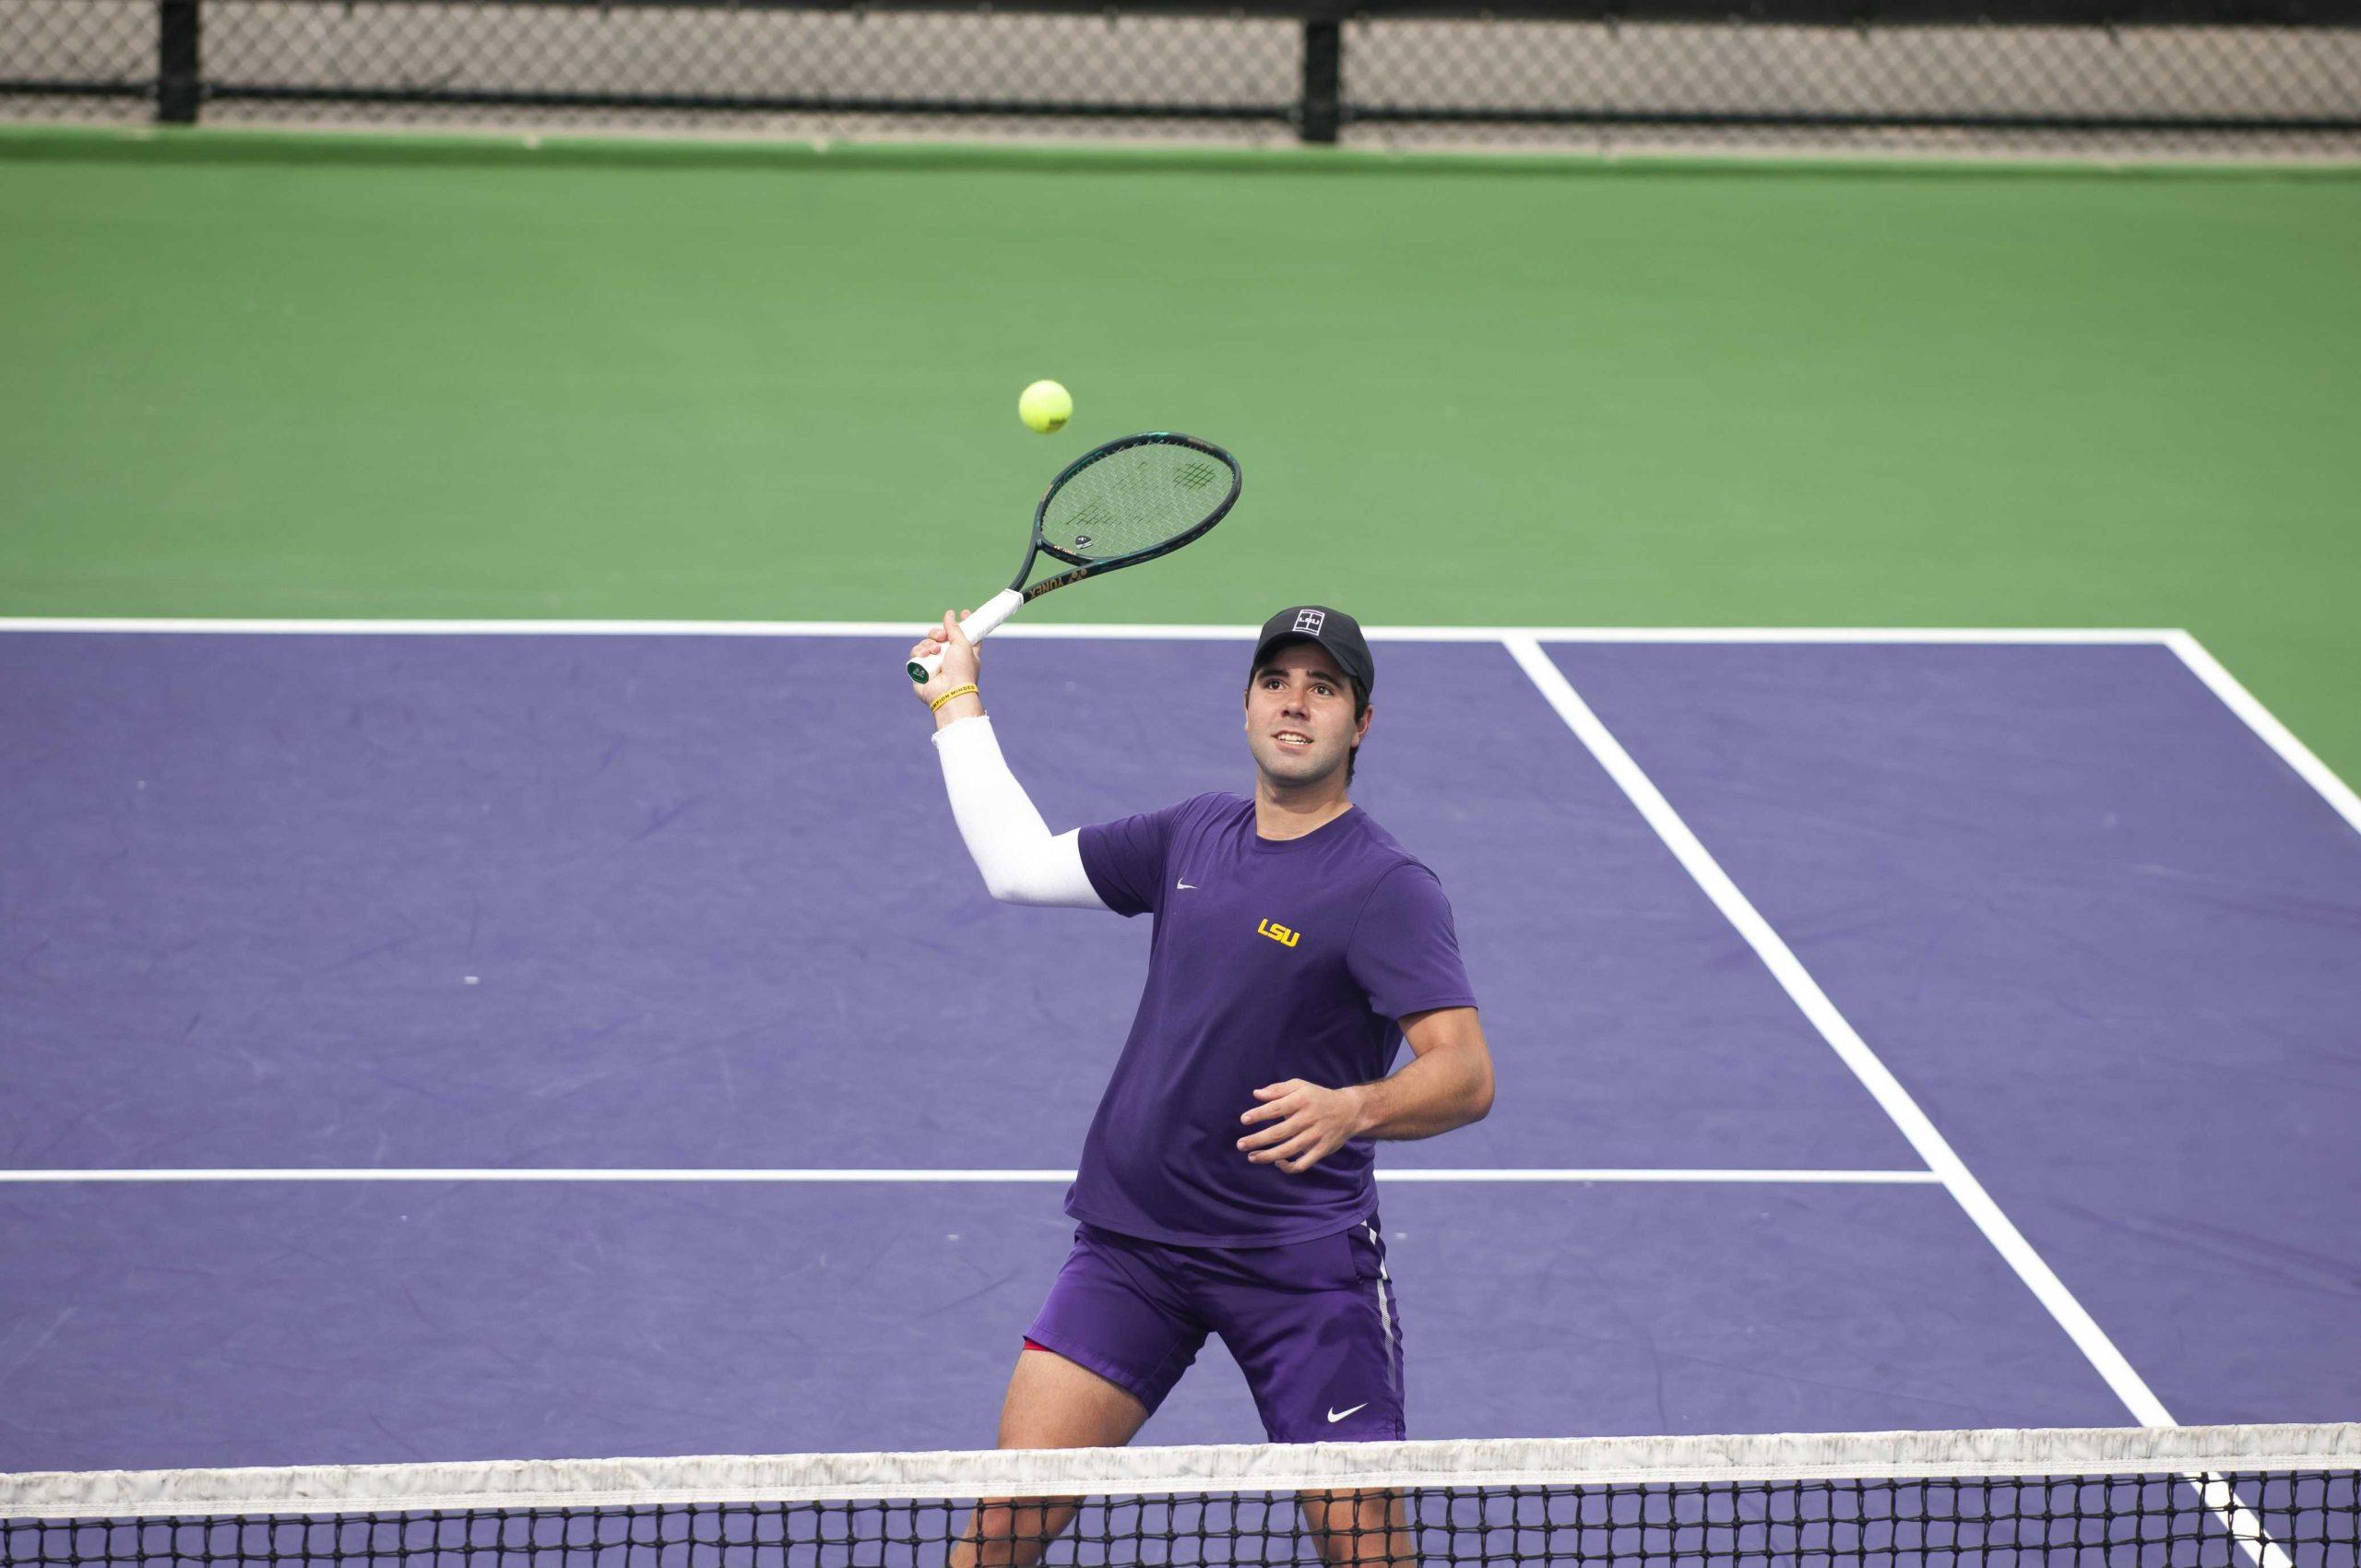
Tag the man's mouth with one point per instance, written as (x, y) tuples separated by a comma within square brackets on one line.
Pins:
[(1290, 737)]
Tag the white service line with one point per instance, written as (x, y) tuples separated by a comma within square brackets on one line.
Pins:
[(2263, 722), (1077, 629), (1805, 991), (1636, 1175)]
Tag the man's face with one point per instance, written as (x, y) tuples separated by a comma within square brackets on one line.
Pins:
[(1299, 722)]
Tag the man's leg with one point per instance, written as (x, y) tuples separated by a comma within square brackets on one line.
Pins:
[(1114, 1335), (1359, 1529), (1314, 1327), (1052, 1403)]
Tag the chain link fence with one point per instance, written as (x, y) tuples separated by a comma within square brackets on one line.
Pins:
[(2157, 78)]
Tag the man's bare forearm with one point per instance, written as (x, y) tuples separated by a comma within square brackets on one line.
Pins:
[(1449, 1086)]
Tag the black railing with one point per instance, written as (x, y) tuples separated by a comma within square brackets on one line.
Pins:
[(2285, 68)]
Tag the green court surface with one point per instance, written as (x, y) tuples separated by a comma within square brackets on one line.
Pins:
[(317, 378)]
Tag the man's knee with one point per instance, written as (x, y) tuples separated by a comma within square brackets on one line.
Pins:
[(1359, 1529)]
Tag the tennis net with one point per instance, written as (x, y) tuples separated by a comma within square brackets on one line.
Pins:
[(2236, 1497)]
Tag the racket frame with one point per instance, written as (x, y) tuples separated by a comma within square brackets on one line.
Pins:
[(1007, 602)]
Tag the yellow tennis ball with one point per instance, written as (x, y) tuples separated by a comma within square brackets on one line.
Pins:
[(1045, 406)]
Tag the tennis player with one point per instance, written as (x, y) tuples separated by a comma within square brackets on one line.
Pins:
[(1226, 1185)]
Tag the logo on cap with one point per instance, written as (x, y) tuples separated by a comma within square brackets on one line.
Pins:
[(1311, 621)]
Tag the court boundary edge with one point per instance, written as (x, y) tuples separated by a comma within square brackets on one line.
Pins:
[(1110, 630), (892, 1175), (2192, 654), (39, 142), (2266, 725)]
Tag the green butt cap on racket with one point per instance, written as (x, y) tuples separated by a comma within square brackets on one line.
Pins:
[(1116, 506)]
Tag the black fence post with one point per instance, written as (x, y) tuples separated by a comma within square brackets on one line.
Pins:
[(176, 66), (1323, 74)]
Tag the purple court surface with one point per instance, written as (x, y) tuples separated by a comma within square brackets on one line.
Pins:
[(477, 1044)]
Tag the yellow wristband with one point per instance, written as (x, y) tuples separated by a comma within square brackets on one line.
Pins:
[(936, 705)]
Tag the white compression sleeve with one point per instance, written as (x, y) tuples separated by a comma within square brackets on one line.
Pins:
[(1012, 846)]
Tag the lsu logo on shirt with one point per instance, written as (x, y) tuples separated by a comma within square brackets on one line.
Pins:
[(1279, 934)]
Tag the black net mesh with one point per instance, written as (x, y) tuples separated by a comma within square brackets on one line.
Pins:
[(1770, 76), (2236, 1521), (1134, 499)]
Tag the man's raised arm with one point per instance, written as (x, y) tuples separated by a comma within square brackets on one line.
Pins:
[(1021, 863)]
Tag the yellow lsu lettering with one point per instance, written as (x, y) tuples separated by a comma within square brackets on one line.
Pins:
[(1279, 934)]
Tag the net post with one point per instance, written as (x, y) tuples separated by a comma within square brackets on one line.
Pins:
[(1319, 110), (176, 62)]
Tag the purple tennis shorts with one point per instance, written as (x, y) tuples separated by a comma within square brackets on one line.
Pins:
[(1313, 1323)]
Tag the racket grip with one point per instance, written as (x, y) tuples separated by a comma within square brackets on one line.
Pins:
[(977, 625)]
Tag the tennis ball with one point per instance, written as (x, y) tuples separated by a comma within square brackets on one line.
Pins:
[(1045, 406)]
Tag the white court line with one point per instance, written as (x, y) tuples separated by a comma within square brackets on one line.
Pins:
[(2263, 722), (1133, 631), (904, 1176), (1646, 1174), (1814, 1002), (2191, 653), (2214, 1492)]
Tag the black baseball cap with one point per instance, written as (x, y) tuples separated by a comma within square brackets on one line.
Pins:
[(1333, 630)]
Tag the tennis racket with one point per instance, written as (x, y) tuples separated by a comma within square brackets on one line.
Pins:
[(1122, 503)]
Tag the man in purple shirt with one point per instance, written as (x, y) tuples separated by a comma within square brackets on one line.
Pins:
[(1226, 1185)]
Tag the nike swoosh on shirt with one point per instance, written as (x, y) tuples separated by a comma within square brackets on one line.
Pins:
[(1188, 886), (1336, 1416)]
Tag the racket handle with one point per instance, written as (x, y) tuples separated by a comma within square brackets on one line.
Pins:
[(977, 625)]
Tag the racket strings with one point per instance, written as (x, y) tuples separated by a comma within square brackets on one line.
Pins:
[(1133, 500)]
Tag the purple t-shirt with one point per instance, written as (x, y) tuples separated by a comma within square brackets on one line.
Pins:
[(1271, 959)]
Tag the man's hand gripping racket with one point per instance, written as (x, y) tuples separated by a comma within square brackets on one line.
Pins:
[(1127, 502)]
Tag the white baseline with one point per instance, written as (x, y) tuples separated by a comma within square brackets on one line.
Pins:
[(1126, 632), (904, 1176)]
